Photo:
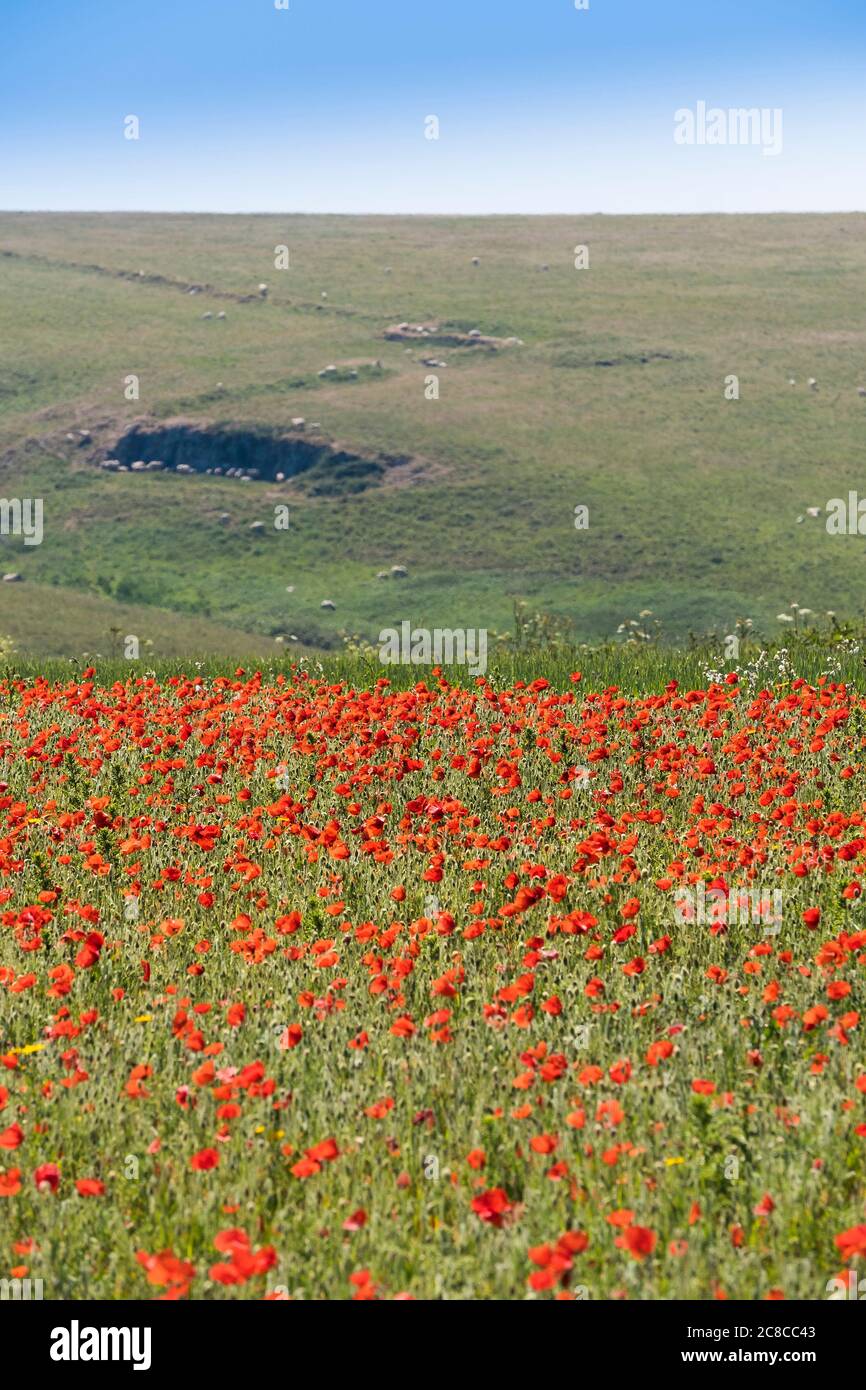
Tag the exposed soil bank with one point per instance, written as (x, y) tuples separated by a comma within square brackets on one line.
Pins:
[(257, 454), (446, 337)]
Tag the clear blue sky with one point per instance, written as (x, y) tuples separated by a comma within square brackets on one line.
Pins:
[(321, 108)]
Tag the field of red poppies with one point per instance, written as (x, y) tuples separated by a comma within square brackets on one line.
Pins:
[(315, 991)]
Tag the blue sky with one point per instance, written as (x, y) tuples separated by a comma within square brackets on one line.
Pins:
[(542, 108)]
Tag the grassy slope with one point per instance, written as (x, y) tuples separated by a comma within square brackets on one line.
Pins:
[(38, 617), (693, 500)]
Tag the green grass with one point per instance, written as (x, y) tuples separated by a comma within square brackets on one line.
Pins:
[(693, 499), (634, 669)]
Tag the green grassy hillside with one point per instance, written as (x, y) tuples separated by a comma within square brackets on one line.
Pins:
[(615, 400)]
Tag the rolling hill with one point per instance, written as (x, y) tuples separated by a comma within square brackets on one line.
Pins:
[(613, 398)]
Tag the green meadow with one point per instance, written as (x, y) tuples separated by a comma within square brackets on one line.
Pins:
[(615, 401)]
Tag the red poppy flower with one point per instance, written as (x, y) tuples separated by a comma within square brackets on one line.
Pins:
[(492, 1206), (204, 1160), (47, 1177), (89, 1187)]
